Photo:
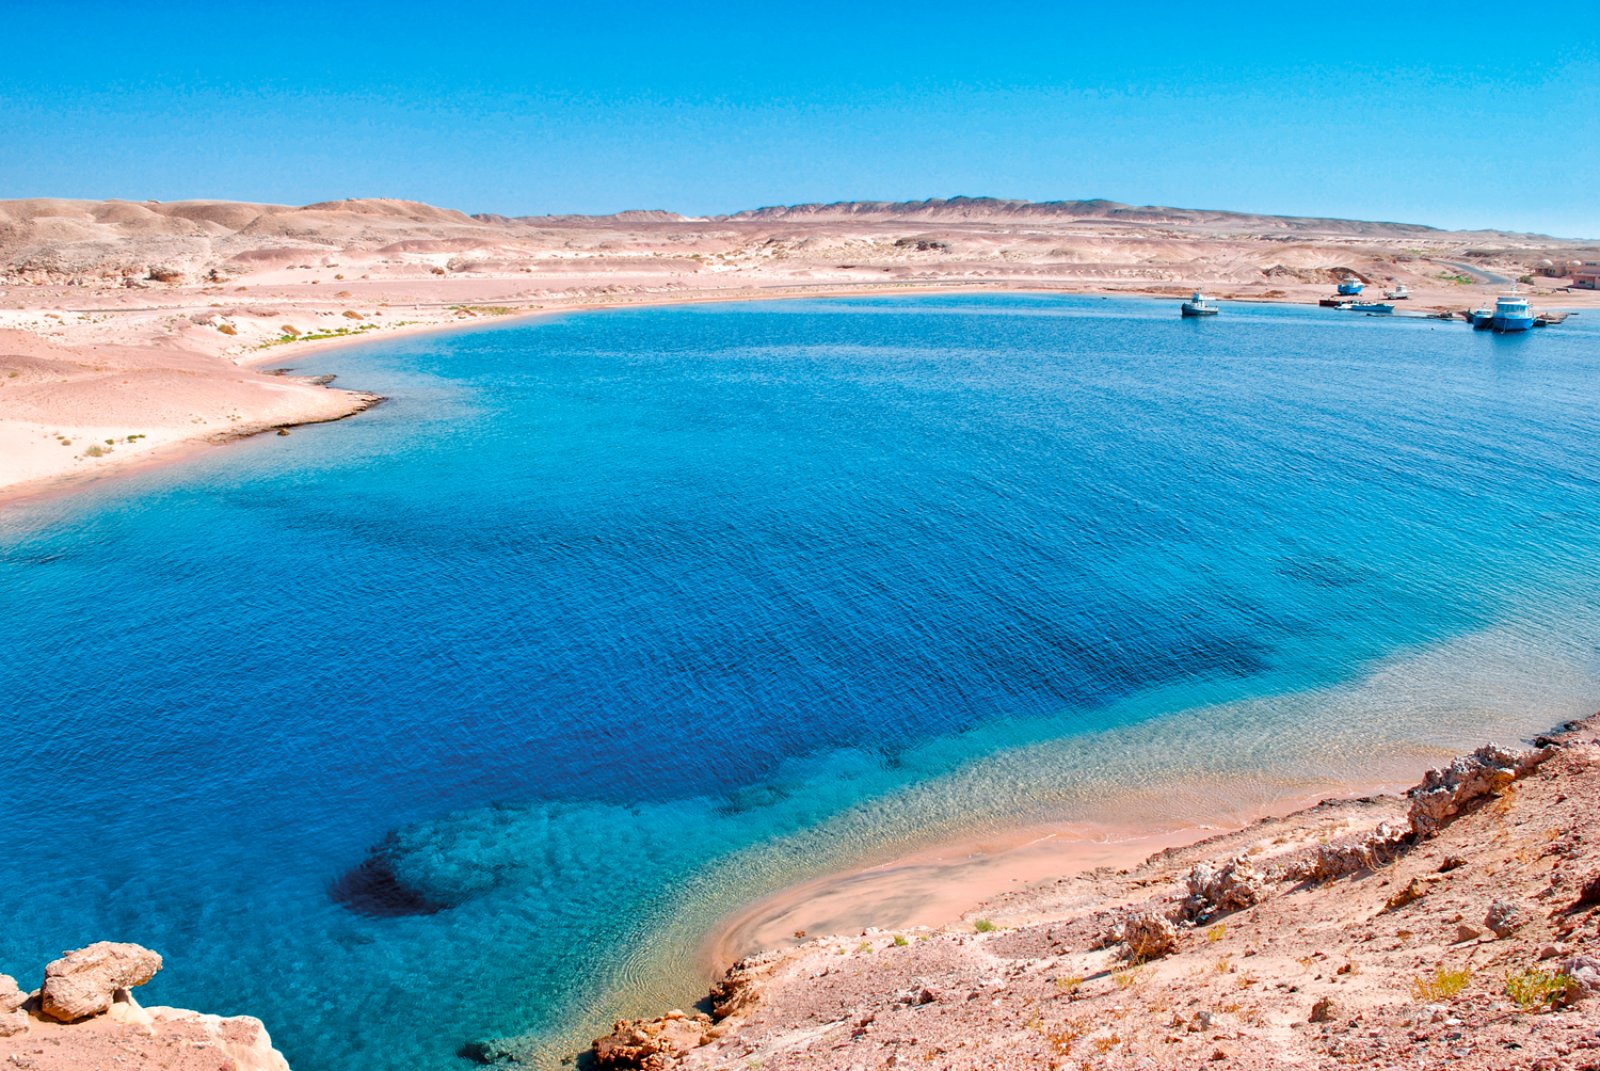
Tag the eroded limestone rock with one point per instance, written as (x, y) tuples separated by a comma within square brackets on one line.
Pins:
[(1365, 852), (1488, 771), (83, 983), (13, 1020), (651, 1044), (1148, 935), (1232, 886)]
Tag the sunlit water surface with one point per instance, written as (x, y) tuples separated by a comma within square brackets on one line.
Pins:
[(466, 718)]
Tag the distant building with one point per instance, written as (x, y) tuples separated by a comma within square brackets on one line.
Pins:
[(1587, 277)]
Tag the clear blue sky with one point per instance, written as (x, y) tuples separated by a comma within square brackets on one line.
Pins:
[(1456, 115)]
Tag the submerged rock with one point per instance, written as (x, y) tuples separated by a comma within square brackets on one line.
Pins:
[(374, 888), (83, 983)]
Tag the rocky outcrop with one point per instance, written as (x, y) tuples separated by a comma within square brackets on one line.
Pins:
[(1148, 935), (1366, 851), (651, 1044), (1215, 889), (1488, 771), (1444, 795), (83, 983), (85, 1017), (13, 1020)]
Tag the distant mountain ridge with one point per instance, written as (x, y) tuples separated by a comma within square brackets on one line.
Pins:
[(994, 209)]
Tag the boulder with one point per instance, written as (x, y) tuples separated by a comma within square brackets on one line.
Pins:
[(1504, 918), (651, 1044), (239, 1042), (83, 983), (1230, 887), (1585, 971), (13, 1020), (1325, 1010), (1148, 935), (1589, 895)]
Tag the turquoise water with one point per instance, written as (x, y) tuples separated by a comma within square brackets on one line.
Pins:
[(467, 717)]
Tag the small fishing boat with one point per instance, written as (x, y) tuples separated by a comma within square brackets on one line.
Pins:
[(1198, 306), (1370, 306), (1331, 302), (1511, 313), (1399, 293), (1351, 286), (1481, 319)]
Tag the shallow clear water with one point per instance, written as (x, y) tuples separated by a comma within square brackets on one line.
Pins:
[(607, 623)]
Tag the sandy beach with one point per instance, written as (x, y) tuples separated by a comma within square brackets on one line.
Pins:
[(133, 332)]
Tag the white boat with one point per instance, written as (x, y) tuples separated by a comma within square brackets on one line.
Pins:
[(1399, 293), (1199, 306)]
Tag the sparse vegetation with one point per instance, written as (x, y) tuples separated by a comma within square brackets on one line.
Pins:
[(1443, 985), (1533, 989), (1216, 933), (983, 925), (228, 329), (317, 336), (900, 942), (96, 450)]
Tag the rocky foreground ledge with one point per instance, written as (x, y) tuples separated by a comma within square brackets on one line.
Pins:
[(83, 1018), (1455, 927)]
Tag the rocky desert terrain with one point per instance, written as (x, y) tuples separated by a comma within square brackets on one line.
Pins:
[(1456, 927), (130, 330)]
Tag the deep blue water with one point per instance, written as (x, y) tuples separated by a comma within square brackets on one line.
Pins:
[(440, 723)]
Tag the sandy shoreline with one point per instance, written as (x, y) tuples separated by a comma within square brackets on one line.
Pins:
[(147, 325), (1347, 933), (944, 884)]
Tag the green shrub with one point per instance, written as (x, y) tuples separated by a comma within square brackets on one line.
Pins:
[(1533, 989)]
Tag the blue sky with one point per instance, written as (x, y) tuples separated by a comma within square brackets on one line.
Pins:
[(1410, 112)]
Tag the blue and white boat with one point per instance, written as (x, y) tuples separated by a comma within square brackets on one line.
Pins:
[(1511, 313), (1351, 286), (1198, 306), (1371, 306)]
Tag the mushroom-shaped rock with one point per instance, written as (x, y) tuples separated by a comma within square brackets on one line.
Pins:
[(83, 983)]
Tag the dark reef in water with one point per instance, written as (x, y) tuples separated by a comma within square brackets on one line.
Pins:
[(374, 888)]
